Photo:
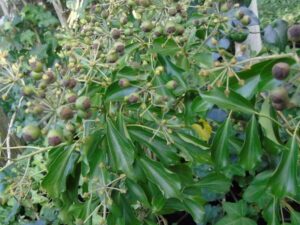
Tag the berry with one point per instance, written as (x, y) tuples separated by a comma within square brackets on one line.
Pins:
[(132, 98), (279, 98), (83, 103), (49, 76), (246, 20), (179, 29), (84, 114), (66, 113), (124, 82), (119, 46), (239, 15), (172, 84), (170, 27), (112, 57), (37, 109), (36, 65), (172, 11), (280, 71), (71, 97), (36, 76), (31, 133), (147, 26), (158, 31), (116, 33), (294, 33), (55, 137), (70, 83), (28, 90)]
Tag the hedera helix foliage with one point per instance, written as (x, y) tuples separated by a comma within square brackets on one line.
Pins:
[(147, 111)]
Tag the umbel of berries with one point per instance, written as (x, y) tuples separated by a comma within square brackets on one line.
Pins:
[(279, 98), (31, 133), (55, 137), (280, 70)]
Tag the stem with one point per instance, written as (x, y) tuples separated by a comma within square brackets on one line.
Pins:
[(59, 12), (4, 7)]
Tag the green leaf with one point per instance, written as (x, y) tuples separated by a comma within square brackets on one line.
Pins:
[(233, 102), (251, 150), (165, 46), (136, 192), (193, 205), (204, 59), (295, 217), (236, 209), (116, 93), (213, 182), (276, 34), (61, 164), (267, 125), (271, 212), (228, 220), (91, 152), (121, 149), (168, 182), (284, 180), (256, 191), (167, 154), (173, 71), (220, 145)]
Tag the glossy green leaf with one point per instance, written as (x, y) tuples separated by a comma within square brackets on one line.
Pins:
[(220, 145), (271, 212), (116, 93), (137, 192), (194, 206), (164, 46), (295, 217), (267, 125), (61, 164), (228, 220), (173, 71), (214, 182), (165, 153), (168, 182), (121, 150), (91, 152), (233, 102), (284, 180), (236, 209), (257, 190), (251, 152)]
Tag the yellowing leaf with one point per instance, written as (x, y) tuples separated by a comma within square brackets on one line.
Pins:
[(203, 129)]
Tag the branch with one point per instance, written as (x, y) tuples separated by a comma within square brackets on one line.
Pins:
[(59, 11), (4, 7)]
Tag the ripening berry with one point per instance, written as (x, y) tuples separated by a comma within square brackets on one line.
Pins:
[(116, 33), (31, 133), (280, 70), (65, 113), (147, 26), (83, 103), (170, 27), (124, 82), (119, 46), (172, 84), (55, 137), (71, 97), (294, 33), (279, 98)]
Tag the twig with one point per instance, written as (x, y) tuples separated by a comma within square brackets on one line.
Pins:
[(4, 7), (9, 131), (59, 11)]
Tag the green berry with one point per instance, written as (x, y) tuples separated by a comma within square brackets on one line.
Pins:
[(83, 103), (147, 26), (31, 133), (55, 137)]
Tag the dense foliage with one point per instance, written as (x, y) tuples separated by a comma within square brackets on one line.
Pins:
[(140, 109)]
